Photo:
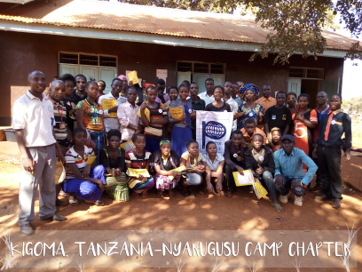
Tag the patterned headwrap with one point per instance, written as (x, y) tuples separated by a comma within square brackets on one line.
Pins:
[(250, 87), (164, 142)]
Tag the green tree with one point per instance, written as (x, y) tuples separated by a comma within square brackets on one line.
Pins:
[(352, 105), (296, 26)]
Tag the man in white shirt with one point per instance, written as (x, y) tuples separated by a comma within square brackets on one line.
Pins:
[(208, 96), (110, 115), (228, 89), (33, 122), (128, 117)]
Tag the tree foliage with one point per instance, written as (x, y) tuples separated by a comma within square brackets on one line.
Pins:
[(296, 25), (352, 105)]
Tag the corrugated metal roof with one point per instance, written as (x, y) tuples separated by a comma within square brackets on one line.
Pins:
[(148, 19)]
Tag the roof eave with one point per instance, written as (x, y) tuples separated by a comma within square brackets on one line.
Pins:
[(48, 29)]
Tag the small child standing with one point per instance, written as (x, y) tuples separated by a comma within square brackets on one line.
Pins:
[(139, 158), (82, 180), (191, 159)]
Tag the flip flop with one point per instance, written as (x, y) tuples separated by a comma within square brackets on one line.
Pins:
[(99, 203), (278, 207)]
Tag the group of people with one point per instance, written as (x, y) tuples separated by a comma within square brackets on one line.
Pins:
[(280, 140)]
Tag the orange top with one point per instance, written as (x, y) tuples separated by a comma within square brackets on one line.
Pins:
[(266, 102), (247, 137)]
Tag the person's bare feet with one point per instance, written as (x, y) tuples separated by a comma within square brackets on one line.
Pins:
[(159, 194), (145, 194), (134, 194), (221, 193), (228, 194)]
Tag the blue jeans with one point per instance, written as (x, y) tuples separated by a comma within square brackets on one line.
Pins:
[(98, 139), (268, 181), (293, 184)]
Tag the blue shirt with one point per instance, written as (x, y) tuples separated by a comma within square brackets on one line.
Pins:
[(292, 166)]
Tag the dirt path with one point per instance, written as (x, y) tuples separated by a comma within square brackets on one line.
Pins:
[(205, 212)]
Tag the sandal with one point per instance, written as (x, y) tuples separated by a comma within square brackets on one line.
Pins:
[(99, 203), (278, 207), (73, 201), (221, 193), (192, 194), (228, 194)]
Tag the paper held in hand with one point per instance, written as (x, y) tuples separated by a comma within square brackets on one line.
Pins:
[(147, 113), (108, 104), (133, 172), (259, 190), (132, 76), (127, 146), (91, 159), (178, 169), (176, 113), (247, 179)]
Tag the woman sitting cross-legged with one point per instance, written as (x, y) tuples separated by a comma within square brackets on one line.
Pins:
[(161, 164), (259, 160), (191, 159), (82, 180), (214, 163), (112, 158), (139, 158)]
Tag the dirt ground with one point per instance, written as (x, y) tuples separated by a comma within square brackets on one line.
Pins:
[(205, 212)]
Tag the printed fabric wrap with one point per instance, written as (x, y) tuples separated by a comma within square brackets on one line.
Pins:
[(117, 187)]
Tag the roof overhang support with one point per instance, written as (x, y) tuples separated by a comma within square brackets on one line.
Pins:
[(139, 37)]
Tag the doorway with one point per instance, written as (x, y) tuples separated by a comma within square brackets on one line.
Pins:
[(311, 87)]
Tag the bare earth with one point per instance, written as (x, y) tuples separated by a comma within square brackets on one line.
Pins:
[(205, 212)]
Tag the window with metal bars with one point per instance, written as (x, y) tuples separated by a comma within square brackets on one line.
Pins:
[(85, 59), (306, 73), (68, 58), (200, 67)]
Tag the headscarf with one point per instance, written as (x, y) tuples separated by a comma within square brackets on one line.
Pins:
[(164, 142), (250, 87), (122, 77)]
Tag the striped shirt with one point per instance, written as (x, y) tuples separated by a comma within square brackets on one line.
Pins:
[(138, 162), (71, 156), (60, 117), (155, 132)]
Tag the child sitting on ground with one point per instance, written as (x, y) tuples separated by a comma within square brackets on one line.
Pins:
[(214, 165), (82, 180), (161, 164), (191, 159), (112, 158), (139, 158)]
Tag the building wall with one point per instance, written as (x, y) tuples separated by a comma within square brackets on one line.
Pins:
[(22, 53)]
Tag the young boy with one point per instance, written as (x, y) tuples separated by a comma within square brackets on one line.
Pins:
[(127, 116), (249, 130), (69, 82), (208, 96), (259, 160), (33, 122), (197, 104), (289, 172), (110, 115), (79, 94), (228, 90), (234, 159), (235, 94), (328, 150), (278, 116)]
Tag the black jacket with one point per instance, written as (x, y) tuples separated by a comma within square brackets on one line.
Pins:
[(268, 163)]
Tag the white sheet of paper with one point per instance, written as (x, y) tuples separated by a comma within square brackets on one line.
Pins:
[(246, 179)]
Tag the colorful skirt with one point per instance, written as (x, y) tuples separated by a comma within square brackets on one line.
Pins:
[(138, 186), (165, 182), (117, 187)]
